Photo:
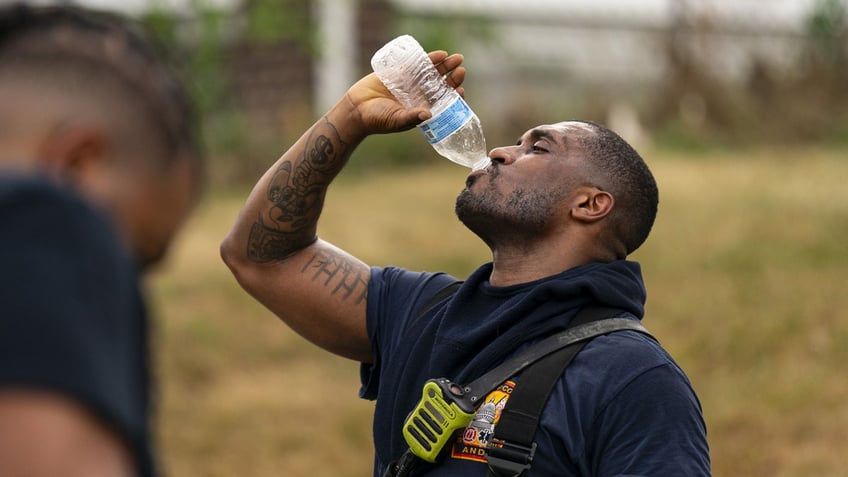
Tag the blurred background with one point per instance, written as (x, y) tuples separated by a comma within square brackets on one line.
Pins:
[(687, 74), (740, 107)]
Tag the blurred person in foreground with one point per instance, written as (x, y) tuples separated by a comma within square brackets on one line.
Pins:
[(561, 209), (98, 168)]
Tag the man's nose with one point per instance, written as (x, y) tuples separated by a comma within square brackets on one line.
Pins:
[(503, 155)]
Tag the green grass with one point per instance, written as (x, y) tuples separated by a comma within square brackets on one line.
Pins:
[(747, 270)]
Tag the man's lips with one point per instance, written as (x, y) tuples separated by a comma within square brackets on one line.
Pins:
[(472, 177)]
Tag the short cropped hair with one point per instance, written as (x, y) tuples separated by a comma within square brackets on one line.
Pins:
[(79, 52), (628, 178)]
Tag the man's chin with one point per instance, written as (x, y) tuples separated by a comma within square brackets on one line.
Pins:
[(473, 217)]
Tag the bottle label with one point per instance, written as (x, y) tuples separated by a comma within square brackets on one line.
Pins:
[(447, 122)]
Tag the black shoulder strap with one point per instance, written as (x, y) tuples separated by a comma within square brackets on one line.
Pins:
[(511, 450), (434, 300), (438, 297)]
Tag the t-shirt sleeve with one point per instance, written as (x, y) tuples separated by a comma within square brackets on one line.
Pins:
[(651, 424), (395, 297), (66, 290), (653, 427)]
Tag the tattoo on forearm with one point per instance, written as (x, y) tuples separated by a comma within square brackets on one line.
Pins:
[(265, 243), (296, 196), (336, 272)]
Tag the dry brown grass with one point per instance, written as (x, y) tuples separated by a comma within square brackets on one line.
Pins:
[(746, 272)]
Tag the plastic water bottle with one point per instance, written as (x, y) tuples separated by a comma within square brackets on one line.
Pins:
[(454, 130)]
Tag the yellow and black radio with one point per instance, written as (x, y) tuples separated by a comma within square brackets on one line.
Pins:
[(442, 410)]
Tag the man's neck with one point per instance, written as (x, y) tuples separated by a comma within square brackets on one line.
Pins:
[(523, 266)]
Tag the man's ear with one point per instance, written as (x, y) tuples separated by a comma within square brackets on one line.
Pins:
[(75, 154), (591, 204)]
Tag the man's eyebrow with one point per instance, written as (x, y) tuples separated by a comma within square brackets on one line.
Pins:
[(541, 133)]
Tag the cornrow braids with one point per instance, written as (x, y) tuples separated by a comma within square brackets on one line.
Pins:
[(110, 45)]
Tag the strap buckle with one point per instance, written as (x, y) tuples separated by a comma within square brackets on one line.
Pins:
[(509, 460), (403, 466)]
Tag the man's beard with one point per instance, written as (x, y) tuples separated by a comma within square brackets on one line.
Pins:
[(523, 215)]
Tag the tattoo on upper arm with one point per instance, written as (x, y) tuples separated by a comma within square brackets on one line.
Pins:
[(296, 197), (345, 279)]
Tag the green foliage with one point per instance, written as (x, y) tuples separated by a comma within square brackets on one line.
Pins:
[(837, 135), (676, 136), (161, 25), (200, 40), (265, 20), (273, 21), (392, 150), (195, 45), (447, 33), (208, 61), (826, 29)]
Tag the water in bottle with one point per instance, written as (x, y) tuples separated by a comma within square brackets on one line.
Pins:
[(454, 130)]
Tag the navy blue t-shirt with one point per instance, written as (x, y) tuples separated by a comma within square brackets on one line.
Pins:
[(72, 320), (623, 407)]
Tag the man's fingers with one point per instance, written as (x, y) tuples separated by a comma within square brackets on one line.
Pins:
[(437, 56), (456, 76), (449, 63), (449, 66)]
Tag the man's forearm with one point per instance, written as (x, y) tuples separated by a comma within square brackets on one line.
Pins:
[(287, 202), (314, 287), (294, 195)]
